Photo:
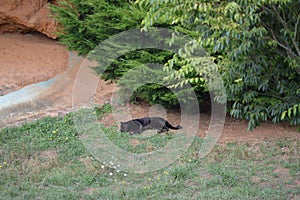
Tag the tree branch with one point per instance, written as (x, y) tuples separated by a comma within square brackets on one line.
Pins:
[(272, 95), (285, 25), (295, 35), (280, 18), (290, 52)]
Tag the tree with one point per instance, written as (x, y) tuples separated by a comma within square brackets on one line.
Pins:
[(255, 44), (85, 24)]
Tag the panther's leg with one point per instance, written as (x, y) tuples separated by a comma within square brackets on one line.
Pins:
[(140, 130)]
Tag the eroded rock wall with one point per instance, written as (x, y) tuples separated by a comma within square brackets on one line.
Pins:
[(27, 16)]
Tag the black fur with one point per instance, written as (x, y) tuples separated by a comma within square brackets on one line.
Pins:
[(146, 123)]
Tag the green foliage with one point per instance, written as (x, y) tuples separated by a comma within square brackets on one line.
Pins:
[(255, 45), (118, 67), (140, 73), (84, 24), (291, 113)]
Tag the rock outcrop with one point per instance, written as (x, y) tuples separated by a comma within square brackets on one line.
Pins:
[(27, 16)]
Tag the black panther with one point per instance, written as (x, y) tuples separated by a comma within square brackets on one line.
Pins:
[(137, 126)]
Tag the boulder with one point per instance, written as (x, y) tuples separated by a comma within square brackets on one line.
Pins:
[(27, 16)]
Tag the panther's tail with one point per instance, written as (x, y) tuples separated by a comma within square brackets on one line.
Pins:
[(172, 127)]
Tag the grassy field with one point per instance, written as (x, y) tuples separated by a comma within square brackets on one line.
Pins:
[(47, 160)]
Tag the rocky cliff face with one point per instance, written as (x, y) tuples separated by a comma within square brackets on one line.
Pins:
[(27, 16)]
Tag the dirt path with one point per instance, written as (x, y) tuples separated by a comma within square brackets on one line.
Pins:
[(31, 58), (234, 130)]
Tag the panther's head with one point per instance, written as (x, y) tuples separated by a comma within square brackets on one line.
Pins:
[(124, 127)]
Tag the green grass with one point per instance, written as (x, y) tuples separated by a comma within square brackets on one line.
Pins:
[(47, 160)]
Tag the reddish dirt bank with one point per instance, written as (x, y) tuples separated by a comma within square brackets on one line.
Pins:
[(29, 58), (23, 16)]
